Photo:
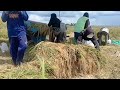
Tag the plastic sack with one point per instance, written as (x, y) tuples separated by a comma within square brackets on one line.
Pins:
[(90, 35), (109, 41), (89, 43), (4, 47), (63, 27)]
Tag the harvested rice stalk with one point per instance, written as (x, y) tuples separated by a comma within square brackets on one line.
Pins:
[(67, 61)]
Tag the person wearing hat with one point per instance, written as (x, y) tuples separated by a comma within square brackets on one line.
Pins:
[(55, 32), (104, 32)]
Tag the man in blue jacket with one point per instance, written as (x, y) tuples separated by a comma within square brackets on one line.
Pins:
[(16, 33)]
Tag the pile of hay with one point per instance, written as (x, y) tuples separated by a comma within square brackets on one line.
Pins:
[(111, 69), (66, 61)]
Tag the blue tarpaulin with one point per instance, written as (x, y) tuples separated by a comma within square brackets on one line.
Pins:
[(38, 39), (33, 28)]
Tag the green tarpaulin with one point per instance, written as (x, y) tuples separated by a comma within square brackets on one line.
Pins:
[(116, 42)]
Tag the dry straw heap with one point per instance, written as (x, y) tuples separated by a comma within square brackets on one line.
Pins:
[(66, 61)]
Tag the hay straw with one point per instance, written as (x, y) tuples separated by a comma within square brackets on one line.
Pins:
[(43, 66), (66, 61)]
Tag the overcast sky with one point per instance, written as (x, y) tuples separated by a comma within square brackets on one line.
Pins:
[(111, 18)]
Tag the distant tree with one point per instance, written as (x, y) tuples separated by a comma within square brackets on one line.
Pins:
[(72, 24)]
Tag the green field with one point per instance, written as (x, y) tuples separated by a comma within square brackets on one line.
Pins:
[(114, 31)]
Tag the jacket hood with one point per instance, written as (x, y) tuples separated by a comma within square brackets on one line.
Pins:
[(53, 15)]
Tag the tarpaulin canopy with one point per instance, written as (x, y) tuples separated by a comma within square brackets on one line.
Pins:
[(37, 31)]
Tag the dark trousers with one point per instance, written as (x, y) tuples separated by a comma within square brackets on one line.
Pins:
[(55, 35), (18, 46), (77, 36)]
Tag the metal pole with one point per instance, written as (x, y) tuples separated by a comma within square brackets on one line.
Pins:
[(59, 14)]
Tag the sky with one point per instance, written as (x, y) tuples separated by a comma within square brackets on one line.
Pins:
[(104, 18)]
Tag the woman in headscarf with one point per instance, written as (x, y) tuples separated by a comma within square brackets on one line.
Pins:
[(103, 32), (55, 32)]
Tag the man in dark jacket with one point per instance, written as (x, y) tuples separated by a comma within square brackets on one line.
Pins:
[(54, 25), (88, 34), (16, 33)]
